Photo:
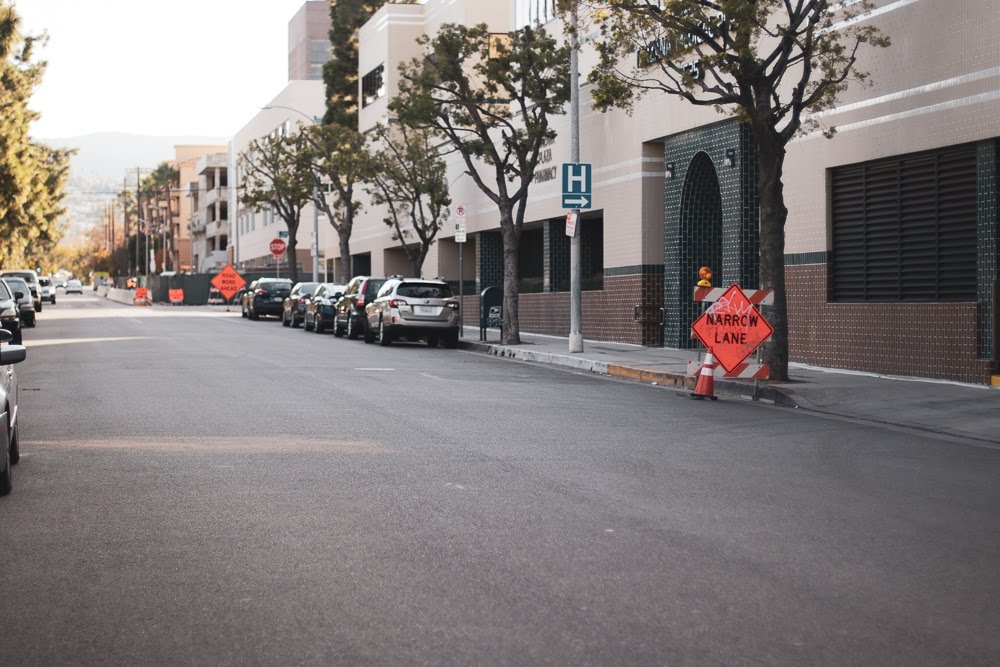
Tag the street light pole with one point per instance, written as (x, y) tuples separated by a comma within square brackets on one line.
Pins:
[(575, 290)]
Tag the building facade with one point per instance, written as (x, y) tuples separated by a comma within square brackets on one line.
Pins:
[(309, 41), (209, 221), (892, 248)]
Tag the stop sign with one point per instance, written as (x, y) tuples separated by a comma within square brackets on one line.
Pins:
[(278, 248)]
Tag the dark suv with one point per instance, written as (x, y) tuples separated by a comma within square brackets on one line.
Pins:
[(267, 297), (350, 317)]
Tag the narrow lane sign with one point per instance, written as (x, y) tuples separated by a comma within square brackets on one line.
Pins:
[(577, 185), (732, 328)]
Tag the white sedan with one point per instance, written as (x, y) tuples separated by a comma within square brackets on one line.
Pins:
[(74, 286)]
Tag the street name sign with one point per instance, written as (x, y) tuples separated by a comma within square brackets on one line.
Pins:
[(228, 282), (282, 233), (277, 248), (732, 328), (577, 185)]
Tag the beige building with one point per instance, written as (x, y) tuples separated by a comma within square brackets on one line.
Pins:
[(309, 41), (186, 162), (892, 248), (209, 221)]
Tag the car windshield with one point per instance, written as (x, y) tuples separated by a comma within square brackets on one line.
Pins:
[(305, 289), (76, 283), (16, 284), (275, 286), (28, 276), (424, 291), (44, 282), (4, 292), (332, 288)]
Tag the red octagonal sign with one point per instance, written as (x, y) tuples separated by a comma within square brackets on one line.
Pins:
[(732, 328), (278, 248)]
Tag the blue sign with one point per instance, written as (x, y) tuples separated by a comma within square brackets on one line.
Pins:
[(577, 185), (282, 233)]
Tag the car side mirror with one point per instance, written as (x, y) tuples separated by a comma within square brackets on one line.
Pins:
[(338, 295), (6, 336), (12, 354), (18, 295)]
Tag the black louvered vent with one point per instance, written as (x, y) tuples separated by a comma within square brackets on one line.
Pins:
[(904, 229)]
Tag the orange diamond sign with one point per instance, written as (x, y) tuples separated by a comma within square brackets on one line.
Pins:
[(732, 328), (228, 282)]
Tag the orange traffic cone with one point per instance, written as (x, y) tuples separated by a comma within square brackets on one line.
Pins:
[(706, 380)]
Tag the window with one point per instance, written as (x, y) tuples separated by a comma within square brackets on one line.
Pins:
[(424, 291), (530, 12), (373, 86), (904, 228)]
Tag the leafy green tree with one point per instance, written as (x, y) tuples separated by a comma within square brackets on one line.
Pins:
[(409, 179), (340, 163), (491, 98), (158, 186), (32, 175), (769, 63), (340, 73), (277, 173)]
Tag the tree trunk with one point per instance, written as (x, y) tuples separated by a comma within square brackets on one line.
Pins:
[(290, 254), (344, 236), (417, 264), (511, 297), (773, 214)]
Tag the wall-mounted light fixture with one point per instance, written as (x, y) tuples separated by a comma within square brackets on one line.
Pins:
[(730, 157), (668, 170)]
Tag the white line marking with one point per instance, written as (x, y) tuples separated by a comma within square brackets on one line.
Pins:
[(374, 369)]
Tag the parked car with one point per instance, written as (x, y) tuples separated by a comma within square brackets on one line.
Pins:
[(48, 289), (10, 354), (350, 317), (322, 308), (267, 297), (31, 279), (10, 318), (293, 310), (413, 308), (25, 304), (74, 286)]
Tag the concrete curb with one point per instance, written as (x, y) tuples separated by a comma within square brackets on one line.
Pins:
[(768, 394)]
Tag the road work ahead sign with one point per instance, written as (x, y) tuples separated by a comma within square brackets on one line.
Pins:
[(228, 282), (577, 184), (732, 328)]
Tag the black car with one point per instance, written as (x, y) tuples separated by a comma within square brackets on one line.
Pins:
[(293, 310), (22, 295), (322, 308), (350, 317), (10, 318), (267, 297)]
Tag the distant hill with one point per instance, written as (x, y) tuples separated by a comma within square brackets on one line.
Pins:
[(102, 161), (110, 154)]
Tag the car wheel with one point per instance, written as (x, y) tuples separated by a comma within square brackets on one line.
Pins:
[(352, 331), (38, 308), (30, 323), (369, 334), (284, 320), (295, 321), (18, 337), (243, 311), (53, 301), (432, 341), (384, 339), (254, 316), (308, 326), (318, 325), (15, 448), (451, 340), (338, 330)]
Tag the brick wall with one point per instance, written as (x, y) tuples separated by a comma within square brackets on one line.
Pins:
[(935, 340), (608, 314)]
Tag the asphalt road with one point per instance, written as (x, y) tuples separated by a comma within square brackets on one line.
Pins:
[(200, 489)]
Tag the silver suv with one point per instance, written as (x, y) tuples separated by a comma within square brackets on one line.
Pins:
[(413, 308)]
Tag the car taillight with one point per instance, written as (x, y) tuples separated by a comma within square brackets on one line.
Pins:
[(454, 306), (260, 292), (360, 303), (396, 303)]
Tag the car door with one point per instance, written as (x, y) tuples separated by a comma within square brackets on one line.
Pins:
[(315, 303), (345, 302)]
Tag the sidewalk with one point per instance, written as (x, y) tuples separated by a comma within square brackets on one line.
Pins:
[(961, 410)]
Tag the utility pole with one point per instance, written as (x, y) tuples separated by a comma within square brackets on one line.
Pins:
[(138, 224), (575, 291)]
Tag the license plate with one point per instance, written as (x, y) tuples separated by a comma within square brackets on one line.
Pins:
[(277, 299), (426, 310)]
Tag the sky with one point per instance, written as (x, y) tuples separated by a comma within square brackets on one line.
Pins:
[(176, 68)]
